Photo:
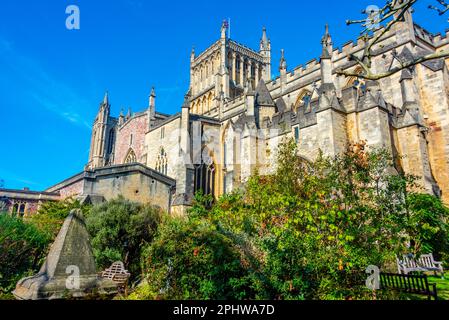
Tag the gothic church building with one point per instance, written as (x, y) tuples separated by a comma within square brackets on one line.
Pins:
[(234, 115)]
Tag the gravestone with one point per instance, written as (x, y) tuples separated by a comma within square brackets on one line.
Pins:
[(69, 269)]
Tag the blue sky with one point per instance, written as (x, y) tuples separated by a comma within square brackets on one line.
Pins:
[(52, 79)]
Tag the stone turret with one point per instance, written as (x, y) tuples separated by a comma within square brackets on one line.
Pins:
[(121, 118), (151, 108), (182, 200), (326, 62), (222, 83), (265, 51), (99, 138), (283, 71), (250, 99), (192, 55)]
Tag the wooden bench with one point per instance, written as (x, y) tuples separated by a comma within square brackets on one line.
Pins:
[(117, 273), (408, 264), (427, 262), (414, 284)]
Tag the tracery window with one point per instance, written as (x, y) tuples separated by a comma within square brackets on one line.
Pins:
[(162, 162), (296, 134), (22, 209), (357, 82), (130, 157), (360, 85), (205, 175), (18, 209), (111, 141), (304, 99)]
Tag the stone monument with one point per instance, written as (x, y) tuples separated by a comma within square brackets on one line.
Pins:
[(69, 269)]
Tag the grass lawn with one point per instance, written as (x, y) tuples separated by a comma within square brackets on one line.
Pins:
[(442, 286), (442, 289)]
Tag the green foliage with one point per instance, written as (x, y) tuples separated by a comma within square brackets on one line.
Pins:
[(191, 259), (309, 230), (428, 225), (22, 250), (119, 230), (51, 215)]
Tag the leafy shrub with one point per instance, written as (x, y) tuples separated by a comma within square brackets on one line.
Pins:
[(119, 230), (22, 251), (51, 215), (191, 259), (428, 225)]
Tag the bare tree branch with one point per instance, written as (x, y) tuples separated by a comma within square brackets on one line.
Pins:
[(371, 76), (392, 13)]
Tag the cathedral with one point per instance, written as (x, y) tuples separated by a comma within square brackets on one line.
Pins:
[(234, 116)]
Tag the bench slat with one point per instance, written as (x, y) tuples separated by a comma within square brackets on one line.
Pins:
[(414, 284)]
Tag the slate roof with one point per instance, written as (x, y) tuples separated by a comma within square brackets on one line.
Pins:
[(407, 56), (263, 97), (281, 106)]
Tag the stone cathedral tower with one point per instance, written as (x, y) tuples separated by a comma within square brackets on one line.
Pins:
[(103, 137), (223, 71)]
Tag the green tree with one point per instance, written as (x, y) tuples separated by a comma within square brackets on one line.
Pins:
[(428, 225), (120, 229), (51, 215), (22, 250)]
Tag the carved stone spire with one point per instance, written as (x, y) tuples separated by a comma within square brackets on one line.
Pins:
[(283, 62)]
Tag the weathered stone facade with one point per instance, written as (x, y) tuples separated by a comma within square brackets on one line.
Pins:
[(233, 99), (133, 181)]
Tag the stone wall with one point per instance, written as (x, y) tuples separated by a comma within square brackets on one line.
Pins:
[(24, 202), (433, 95), (135, 182), (137, 126), (72, 190), (169, 141), (133, 186)]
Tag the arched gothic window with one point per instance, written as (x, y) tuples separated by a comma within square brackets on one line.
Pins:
[(15, 209), (22, 209), (304, 99), (205, 174), (162, 162), (360, 85), (111, 141), (18, 209), (130, 157), (357, 82)]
